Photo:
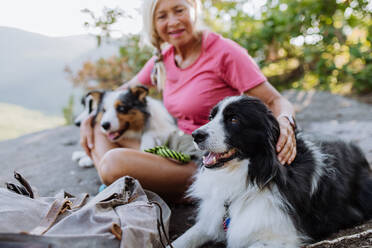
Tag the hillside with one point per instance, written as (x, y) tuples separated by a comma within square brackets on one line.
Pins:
[(32, 67), (16, 121)]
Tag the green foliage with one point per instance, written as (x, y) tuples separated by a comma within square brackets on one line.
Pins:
[(68, 111), (302, 44), (137, 55)]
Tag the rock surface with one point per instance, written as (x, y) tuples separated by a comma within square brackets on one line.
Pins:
[(44, 158)]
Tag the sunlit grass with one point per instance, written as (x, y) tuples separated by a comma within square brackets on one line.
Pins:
[(16, 121)]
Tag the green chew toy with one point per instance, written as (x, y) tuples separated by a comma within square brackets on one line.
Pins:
[(168, 153)]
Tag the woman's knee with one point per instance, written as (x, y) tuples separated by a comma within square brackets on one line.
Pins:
[(113, 165)]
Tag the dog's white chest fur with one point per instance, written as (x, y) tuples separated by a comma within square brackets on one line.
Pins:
[(159, 127), (256, 216)]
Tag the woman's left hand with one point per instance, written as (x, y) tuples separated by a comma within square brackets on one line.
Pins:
[(286, 146)]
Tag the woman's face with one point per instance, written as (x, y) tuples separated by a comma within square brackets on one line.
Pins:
[(173, 22)]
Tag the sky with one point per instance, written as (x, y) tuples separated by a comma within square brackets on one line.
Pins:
[(57, 18)]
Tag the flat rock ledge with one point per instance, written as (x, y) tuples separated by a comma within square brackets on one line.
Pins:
[(44, 158)]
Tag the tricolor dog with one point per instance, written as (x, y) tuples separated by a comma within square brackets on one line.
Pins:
[(128, 114), (132, 114), (243, 187)]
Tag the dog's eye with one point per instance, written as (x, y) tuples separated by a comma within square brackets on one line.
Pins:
[(233, 120), (122, 109), (103, 110)]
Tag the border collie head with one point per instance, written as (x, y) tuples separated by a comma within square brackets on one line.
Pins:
[(124, 113), (241, 128), (90, 102)]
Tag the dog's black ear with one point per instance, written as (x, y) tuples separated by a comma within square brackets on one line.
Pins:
[(140, 92), (263, 170), (96, 96), (95, 99), (264, 165)]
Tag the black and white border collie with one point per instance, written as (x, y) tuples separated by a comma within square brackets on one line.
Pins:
[(90, 102), (265, 204), (126, 114)]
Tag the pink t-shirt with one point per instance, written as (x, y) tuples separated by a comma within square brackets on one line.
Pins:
[(223, 69)]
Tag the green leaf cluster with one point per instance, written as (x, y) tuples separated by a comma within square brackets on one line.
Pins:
[(303, 44)]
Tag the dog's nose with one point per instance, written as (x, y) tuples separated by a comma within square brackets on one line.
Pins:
[(77, 123), (106, 125), (199, 136)]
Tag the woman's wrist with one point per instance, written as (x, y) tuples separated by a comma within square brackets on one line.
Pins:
[(291, 120)]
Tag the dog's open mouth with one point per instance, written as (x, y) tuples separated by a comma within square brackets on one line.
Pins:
[(113, 136), (214, 160)]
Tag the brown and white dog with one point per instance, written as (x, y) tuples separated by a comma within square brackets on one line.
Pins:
[(132, 114), (128, 114)]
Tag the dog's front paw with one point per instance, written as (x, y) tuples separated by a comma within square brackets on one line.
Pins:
[(82, 159), (86, 162), (77, 155)]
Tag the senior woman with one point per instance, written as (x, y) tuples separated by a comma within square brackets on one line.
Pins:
[(194, 71)]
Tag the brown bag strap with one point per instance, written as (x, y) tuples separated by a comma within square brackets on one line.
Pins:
[(160, 226), (23, 189), (24, 183), (59, 206), (79, 201), (116, 230)]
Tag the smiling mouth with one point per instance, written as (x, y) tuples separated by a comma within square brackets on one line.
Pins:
[(215, 160), (176, 32), (113, 136)]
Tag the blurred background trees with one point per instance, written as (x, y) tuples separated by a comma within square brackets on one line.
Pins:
[(302, 44), (299, 44), (110, 73)]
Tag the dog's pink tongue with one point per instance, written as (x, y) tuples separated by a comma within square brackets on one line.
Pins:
[(210, 159), (113, 135)]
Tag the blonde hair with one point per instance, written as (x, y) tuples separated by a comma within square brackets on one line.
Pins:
[(151, 37)]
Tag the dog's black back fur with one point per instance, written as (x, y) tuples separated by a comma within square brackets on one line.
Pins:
[(343, 195)]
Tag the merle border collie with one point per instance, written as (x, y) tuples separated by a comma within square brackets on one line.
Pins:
[(243, 187), (90, 102)]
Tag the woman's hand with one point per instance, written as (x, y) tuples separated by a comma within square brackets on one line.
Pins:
[(87, 135), (286, 146)]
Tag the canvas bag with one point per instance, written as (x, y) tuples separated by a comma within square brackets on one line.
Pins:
[(122, 215)]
